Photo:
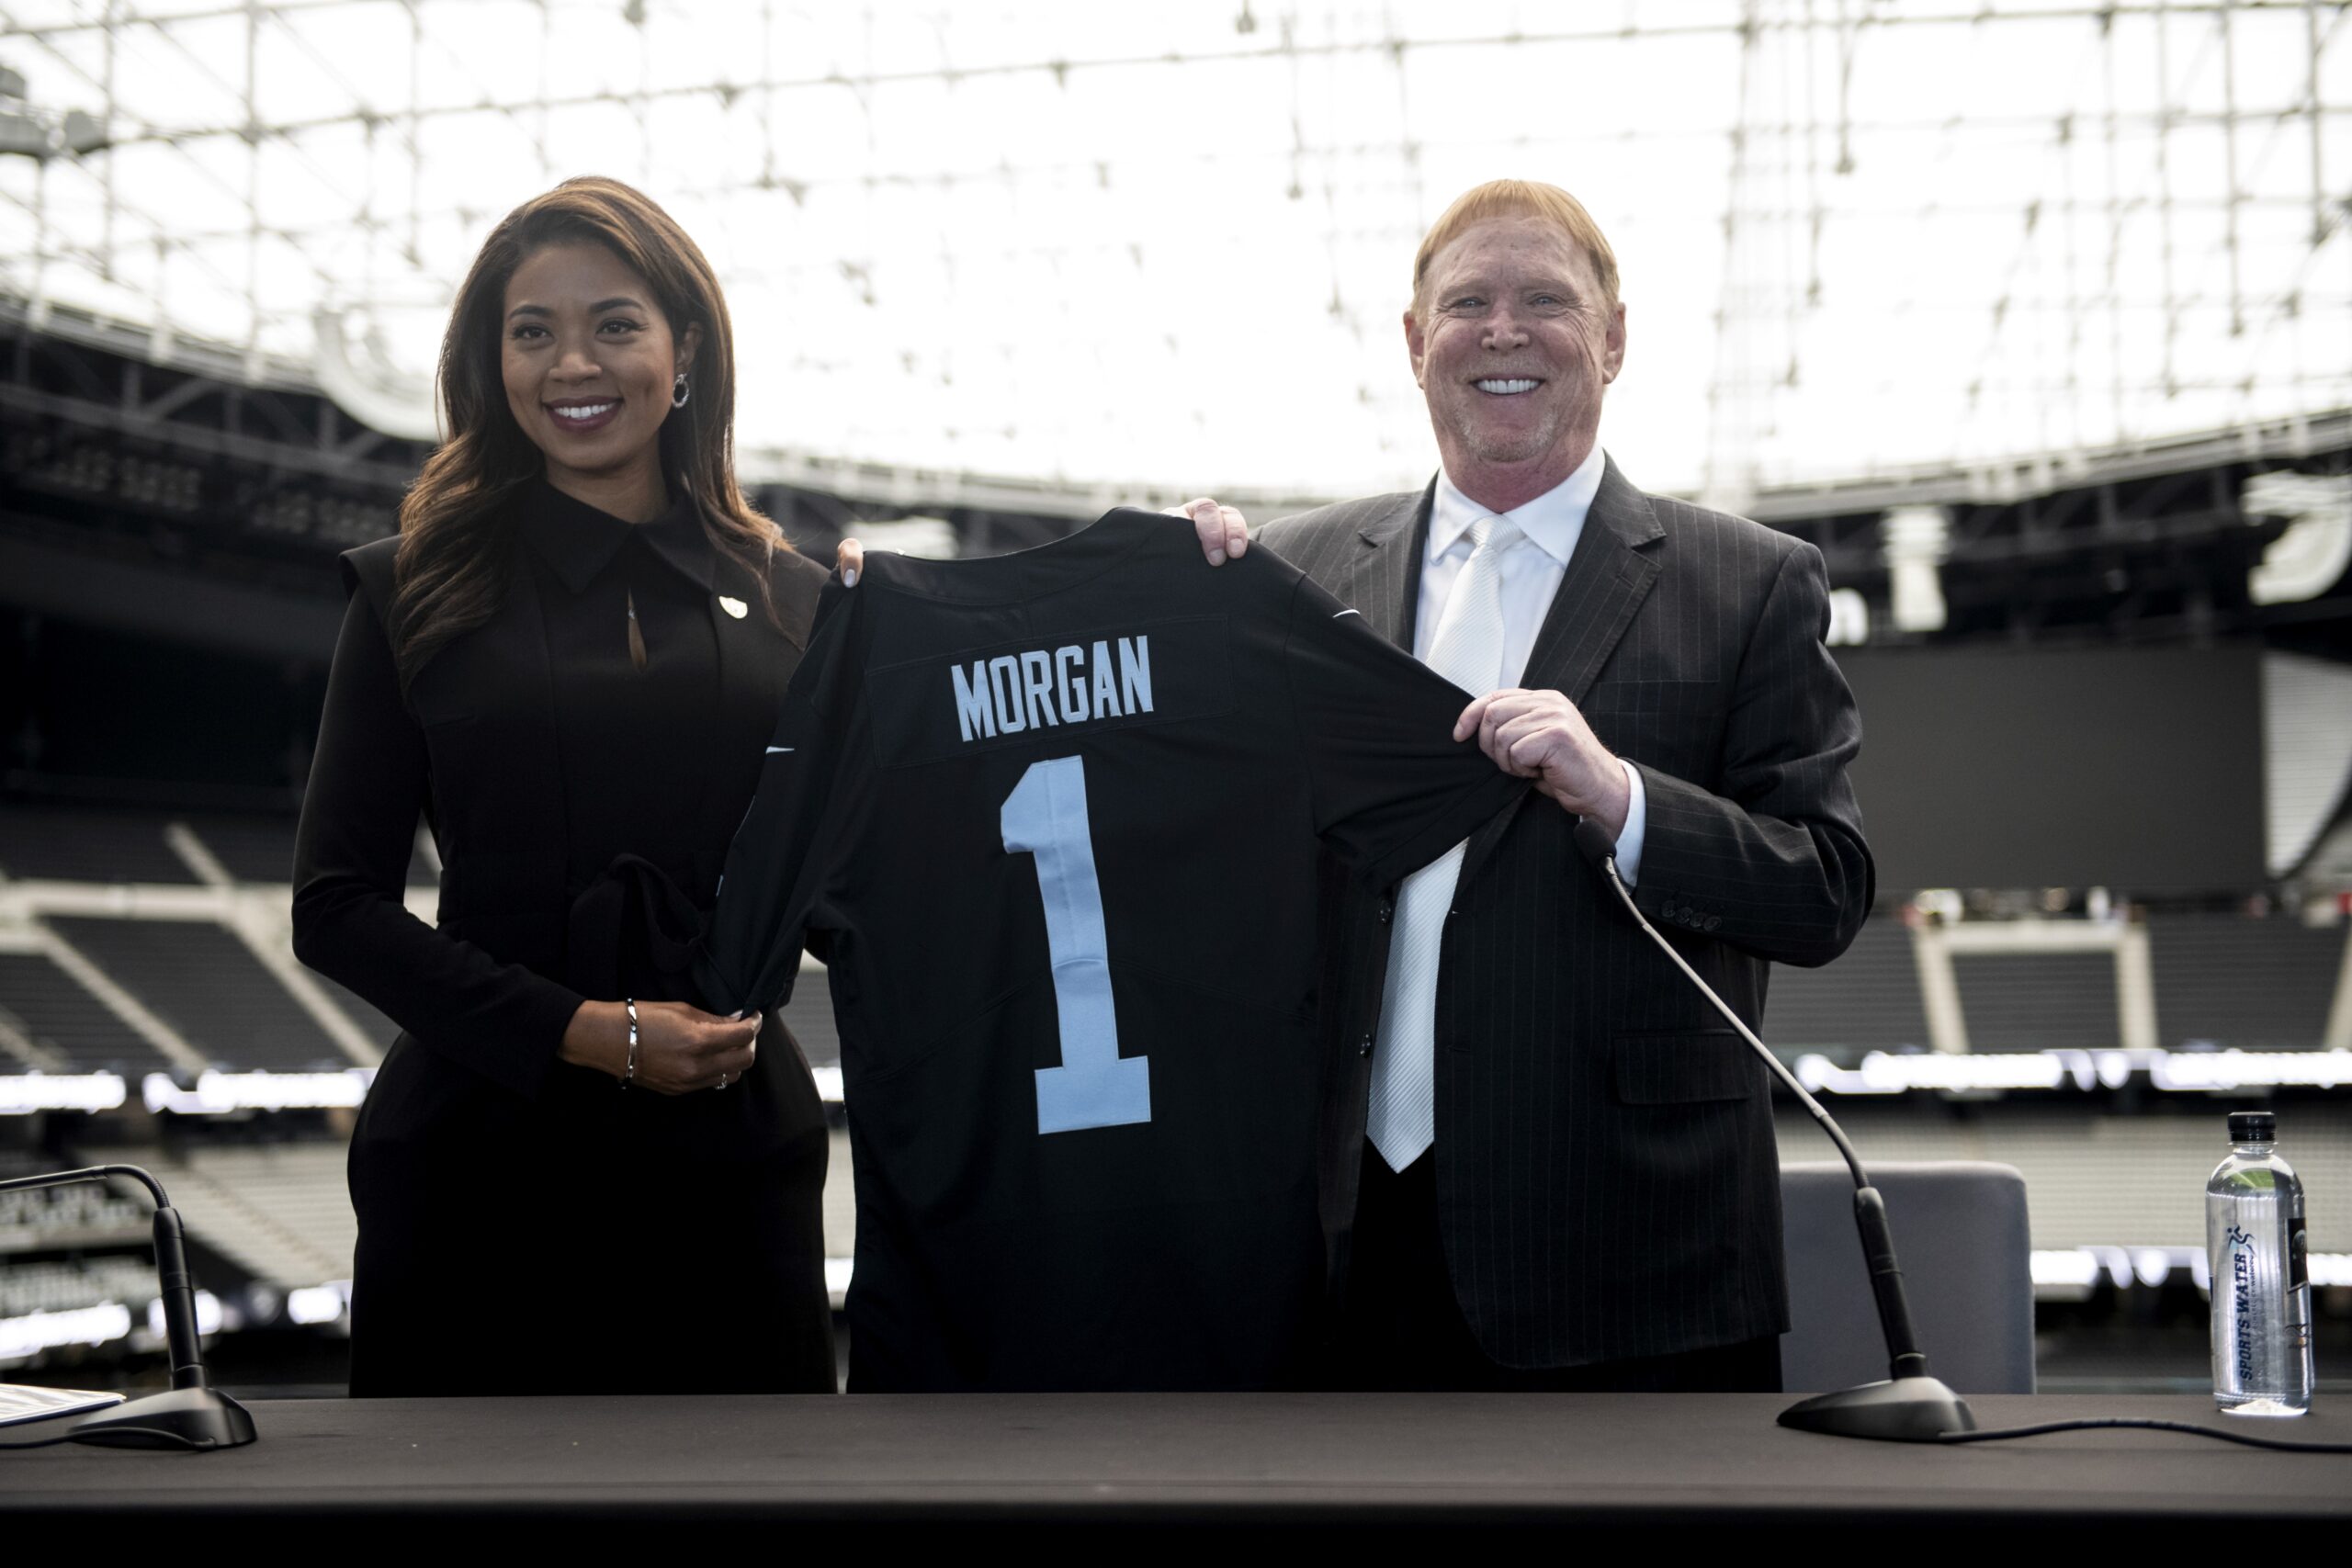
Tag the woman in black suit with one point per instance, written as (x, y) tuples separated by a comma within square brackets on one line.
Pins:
[(569, 1178)]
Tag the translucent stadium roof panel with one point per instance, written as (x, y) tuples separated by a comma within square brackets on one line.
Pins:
[(1168, 247)]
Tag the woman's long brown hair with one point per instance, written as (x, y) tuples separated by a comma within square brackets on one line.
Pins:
[(455, 524)]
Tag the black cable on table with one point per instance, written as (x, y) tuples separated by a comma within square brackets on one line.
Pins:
[(2147, 1423)]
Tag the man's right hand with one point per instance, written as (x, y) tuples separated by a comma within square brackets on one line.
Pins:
[(680, 1049), (1543, 736)]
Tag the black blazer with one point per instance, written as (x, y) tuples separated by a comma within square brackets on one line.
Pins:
[(1607, 1181)]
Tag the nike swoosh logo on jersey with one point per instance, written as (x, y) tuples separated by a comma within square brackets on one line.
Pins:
[(1348, 612), (774, 750)]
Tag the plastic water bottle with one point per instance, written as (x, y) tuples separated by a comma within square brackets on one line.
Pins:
[(2262, 1290)]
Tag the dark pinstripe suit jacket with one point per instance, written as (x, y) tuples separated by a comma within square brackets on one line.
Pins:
[(1607, 1181)]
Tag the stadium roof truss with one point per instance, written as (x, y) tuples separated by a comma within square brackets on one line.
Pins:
[(108, 451), (1858, 238)]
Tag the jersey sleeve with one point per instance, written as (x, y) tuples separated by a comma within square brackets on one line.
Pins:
[(781, 860), (1392, 790)]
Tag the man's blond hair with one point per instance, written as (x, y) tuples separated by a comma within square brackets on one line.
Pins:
[(1520, 198)]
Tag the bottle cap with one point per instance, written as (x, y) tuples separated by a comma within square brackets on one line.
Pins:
[(2254, 1127)]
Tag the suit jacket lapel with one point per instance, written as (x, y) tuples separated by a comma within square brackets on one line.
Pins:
[(1607, 578), (1384, 581)]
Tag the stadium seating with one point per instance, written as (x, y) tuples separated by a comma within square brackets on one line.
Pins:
[(1868, 1000), (2102, 1177), (205, 982), (47, 1218), (66, 1027), (2097, 1174), (64, 1286), (281, 1212), (60, 844), (132, 846), (2260, 984), (250, 849), (2038, 1001), (2227, 979)]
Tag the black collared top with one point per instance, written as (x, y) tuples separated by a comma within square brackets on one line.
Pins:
[(582, 806), (639, 739), (575, 797)]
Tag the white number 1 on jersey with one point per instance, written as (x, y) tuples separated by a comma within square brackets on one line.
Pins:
[(1044, 816)]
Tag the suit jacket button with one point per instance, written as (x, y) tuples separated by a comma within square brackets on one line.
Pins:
[(1712, 921), (1386, 909), (1363, 1047)]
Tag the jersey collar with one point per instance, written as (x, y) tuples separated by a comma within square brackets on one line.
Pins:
[(1023, 575)]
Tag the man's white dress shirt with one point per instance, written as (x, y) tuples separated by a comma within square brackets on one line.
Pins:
[(1550, 526), (1509, 567)]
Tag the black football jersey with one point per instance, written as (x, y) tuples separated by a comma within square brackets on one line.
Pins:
[(1051, 821)]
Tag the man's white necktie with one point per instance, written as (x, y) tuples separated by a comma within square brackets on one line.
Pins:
[(1468, 651)]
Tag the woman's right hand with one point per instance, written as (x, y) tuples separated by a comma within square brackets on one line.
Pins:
[(680, 1049)]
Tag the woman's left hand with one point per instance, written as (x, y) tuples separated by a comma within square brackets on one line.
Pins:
[(1224, 534)]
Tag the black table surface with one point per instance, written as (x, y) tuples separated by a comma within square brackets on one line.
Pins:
[(1368, 1461)]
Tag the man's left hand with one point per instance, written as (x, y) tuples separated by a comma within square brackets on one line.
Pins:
[(1540, 735)]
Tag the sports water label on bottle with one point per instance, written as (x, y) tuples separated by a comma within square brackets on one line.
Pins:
[(2262, 1293)]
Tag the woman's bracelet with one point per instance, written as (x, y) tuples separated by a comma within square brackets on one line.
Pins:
[(629, 1074)]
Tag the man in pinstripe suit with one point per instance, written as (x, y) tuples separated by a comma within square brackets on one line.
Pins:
[(1543, 1165)]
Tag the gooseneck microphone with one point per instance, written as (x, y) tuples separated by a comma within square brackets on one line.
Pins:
[(1909, 1406), (192, 1416)]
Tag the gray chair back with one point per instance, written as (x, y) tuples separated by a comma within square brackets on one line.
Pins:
[(1961, 1237)]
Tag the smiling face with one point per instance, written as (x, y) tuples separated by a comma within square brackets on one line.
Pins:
[(588, 360), (1513, 342)]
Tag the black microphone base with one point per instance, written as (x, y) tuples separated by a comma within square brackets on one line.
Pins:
[(1905, 1410), (184, 1418)]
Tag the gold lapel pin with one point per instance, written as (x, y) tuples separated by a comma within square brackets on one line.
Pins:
[(735, 608)]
